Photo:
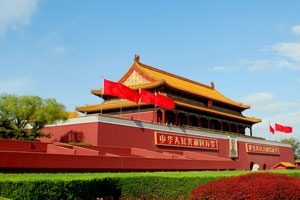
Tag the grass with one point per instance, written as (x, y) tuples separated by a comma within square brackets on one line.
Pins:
[(87, 176)]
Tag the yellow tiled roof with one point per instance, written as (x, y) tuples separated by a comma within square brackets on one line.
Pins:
[(72, 114), (285, 164), (136, 87), (248, 119), (177, 82), (187, 85), (126, 104), (108, 106)]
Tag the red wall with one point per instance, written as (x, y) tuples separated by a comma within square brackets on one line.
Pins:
[(143, 116), (124, 136), (286, 155), (84, 132), (114, 135)]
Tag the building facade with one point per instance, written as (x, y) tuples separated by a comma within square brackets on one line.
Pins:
[(205, 131), (196, 105)]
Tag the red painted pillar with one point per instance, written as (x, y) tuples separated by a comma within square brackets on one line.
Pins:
[(176, 118), (155, 116), (229, 127), (199, 121), (187, 119), (221, 125), (208, 123), (163, 117), (251, 131)]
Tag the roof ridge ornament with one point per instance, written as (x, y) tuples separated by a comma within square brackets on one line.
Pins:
[(212, 85), (136, 58)]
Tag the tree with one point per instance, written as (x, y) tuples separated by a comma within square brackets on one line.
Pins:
[(296, 146), (24, 117)]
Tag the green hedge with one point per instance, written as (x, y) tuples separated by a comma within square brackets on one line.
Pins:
[(155, 185)]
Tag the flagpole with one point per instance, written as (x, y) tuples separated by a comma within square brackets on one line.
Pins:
[(102, 93), (154, 108), (121, 109), (139, 105)]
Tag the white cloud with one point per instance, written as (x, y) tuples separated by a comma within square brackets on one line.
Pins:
[(259, 65), (258, 100), (255, 65), (58, 50), (289, 65), (287, 119), (288, 49), (15, 85), (296, 30), (280, 107), (245, 62), (262, 103), (284, 63), (285, 113), (224, 68), (15, 13)]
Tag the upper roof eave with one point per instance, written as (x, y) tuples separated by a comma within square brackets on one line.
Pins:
[(248, 119), (114, 105), (136, 87), (189, 86), (242, 106), (107, 106)]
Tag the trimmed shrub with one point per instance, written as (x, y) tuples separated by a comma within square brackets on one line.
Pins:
[(77, 189), (152, 185), (250, 186), (147, 185)]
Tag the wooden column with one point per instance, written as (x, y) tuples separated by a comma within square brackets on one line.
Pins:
[(221, 125), (163, 117), (208, 123), (199, 121), (155, 116), (187, 119), (251, 131), (243, 130), (229, 127), (176, 118)]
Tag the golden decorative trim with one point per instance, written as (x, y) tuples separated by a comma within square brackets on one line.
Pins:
[(135, 79)]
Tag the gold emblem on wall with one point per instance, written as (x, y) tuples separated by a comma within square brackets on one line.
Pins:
[(135, 79)]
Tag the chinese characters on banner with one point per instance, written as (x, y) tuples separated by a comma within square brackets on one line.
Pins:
[(185, 141), (257, 148)]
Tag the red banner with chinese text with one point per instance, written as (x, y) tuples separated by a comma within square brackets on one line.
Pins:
[(257, 148), (185, 141)]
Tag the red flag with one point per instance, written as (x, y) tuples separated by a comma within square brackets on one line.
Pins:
[(288, 129), (285, 129), (272, 129), (120, 90), (147, 97), (164, 102)]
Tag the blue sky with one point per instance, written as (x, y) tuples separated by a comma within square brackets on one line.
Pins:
[(249, 49)]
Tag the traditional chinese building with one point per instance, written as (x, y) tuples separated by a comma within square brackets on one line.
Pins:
[(197, 105), (125, 136)]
